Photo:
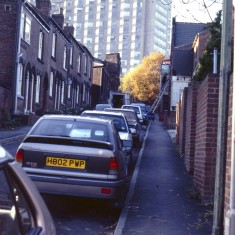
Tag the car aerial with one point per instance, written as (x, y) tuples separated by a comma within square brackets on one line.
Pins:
[(74, 155), (132, 120), (102, 106), (122, 126), (22, 209), (137, 110)]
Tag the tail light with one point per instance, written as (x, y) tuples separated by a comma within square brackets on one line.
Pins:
[(20, 155), (113, 164)]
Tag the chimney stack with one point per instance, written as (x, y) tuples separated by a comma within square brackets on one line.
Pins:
[(44, 6), (69, 29), (59, 18)]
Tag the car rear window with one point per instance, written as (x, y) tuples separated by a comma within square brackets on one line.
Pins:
[(136, 109), (84, 130), (118, 121)]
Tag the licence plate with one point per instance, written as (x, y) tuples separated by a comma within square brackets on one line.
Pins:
[(66, 162)]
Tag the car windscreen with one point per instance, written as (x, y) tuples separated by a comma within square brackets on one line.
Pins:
[(66, 128)]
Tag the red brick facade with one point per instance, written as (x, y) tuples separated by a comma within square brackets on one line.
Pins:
[(181, 131), (198, 130), (43, 68), (206, 137), (228, 157), (190, 126)]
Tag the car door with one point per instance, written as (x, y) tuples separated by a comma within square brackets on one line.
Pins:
[(21, 212)]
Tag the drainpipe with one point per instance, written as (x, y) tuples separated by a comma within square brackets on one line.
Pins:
[(17, 56), (230, 215), (225, 72)]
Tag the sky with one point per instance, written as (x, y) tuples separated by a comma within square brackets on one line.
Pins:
[(195, 10)]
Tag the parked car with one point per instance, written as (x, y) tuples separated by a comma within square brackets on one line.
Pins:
[(102, 106), (137, 110), (74, 155), (144, 110), (151, 116), (132, 120), (22, 209), (122, 127)]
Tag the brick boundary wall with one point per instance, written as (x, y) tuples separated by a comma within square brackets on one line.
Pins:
[(206, 137), (228, 157), (190, 127), (177, 122), (182, 125)]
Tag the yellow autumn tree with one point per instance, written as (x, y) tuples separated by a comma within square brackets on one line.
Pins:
[(143, 81)]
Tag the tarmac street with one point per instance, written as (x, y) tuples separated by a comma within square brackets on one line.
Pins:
[(162, 199)]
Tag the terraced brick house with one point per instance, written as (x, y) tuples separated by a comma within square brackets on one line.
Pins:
[(43, 68)]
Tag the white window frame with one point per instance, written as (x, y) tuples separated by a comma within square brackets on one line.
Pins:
[(53, 51), (37, 90), (79, 64), (69, 91), (85, 64), (26, 28), (77, 95), (62, 92), (51, 82), (84, 92), (65, 58), (71, 56), (40, 45), (20, 80)]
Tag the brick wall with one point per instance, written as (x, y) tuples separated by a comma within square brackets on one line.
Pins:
[(177, 123), (5, 103), (206, 137), (8, 30), (182, 122), (190, 127), (228, 158)]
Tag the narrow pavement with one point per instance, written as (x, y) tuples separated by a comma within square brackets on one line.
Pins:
[(162, 199)]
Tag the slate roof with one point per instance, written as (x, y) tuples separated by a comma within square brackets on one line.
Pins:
[(185, 33)]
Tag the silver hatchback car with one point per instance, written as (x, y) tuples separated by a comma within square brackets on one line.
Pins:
[(132, 120), (75, 155), (121, 124)]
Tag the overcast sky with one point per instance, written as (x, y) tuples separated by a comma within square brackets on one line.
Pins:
[(195, 11)]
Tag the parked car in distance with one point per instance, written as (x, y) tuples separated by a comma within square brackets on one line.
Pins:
[(74, 155), (151, 116), (102, 106), (137, 110), (144, 110), (132, 120), (122, 127), (22, 209)]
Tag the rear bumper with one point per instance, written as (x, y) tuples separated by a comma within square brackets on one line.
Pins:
[(79, 187)]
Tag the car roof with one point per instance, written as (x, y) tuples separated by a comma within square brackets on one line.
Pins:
[(142, 104), (103, 112), (75, 118), (121, 110), (131, 105)]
